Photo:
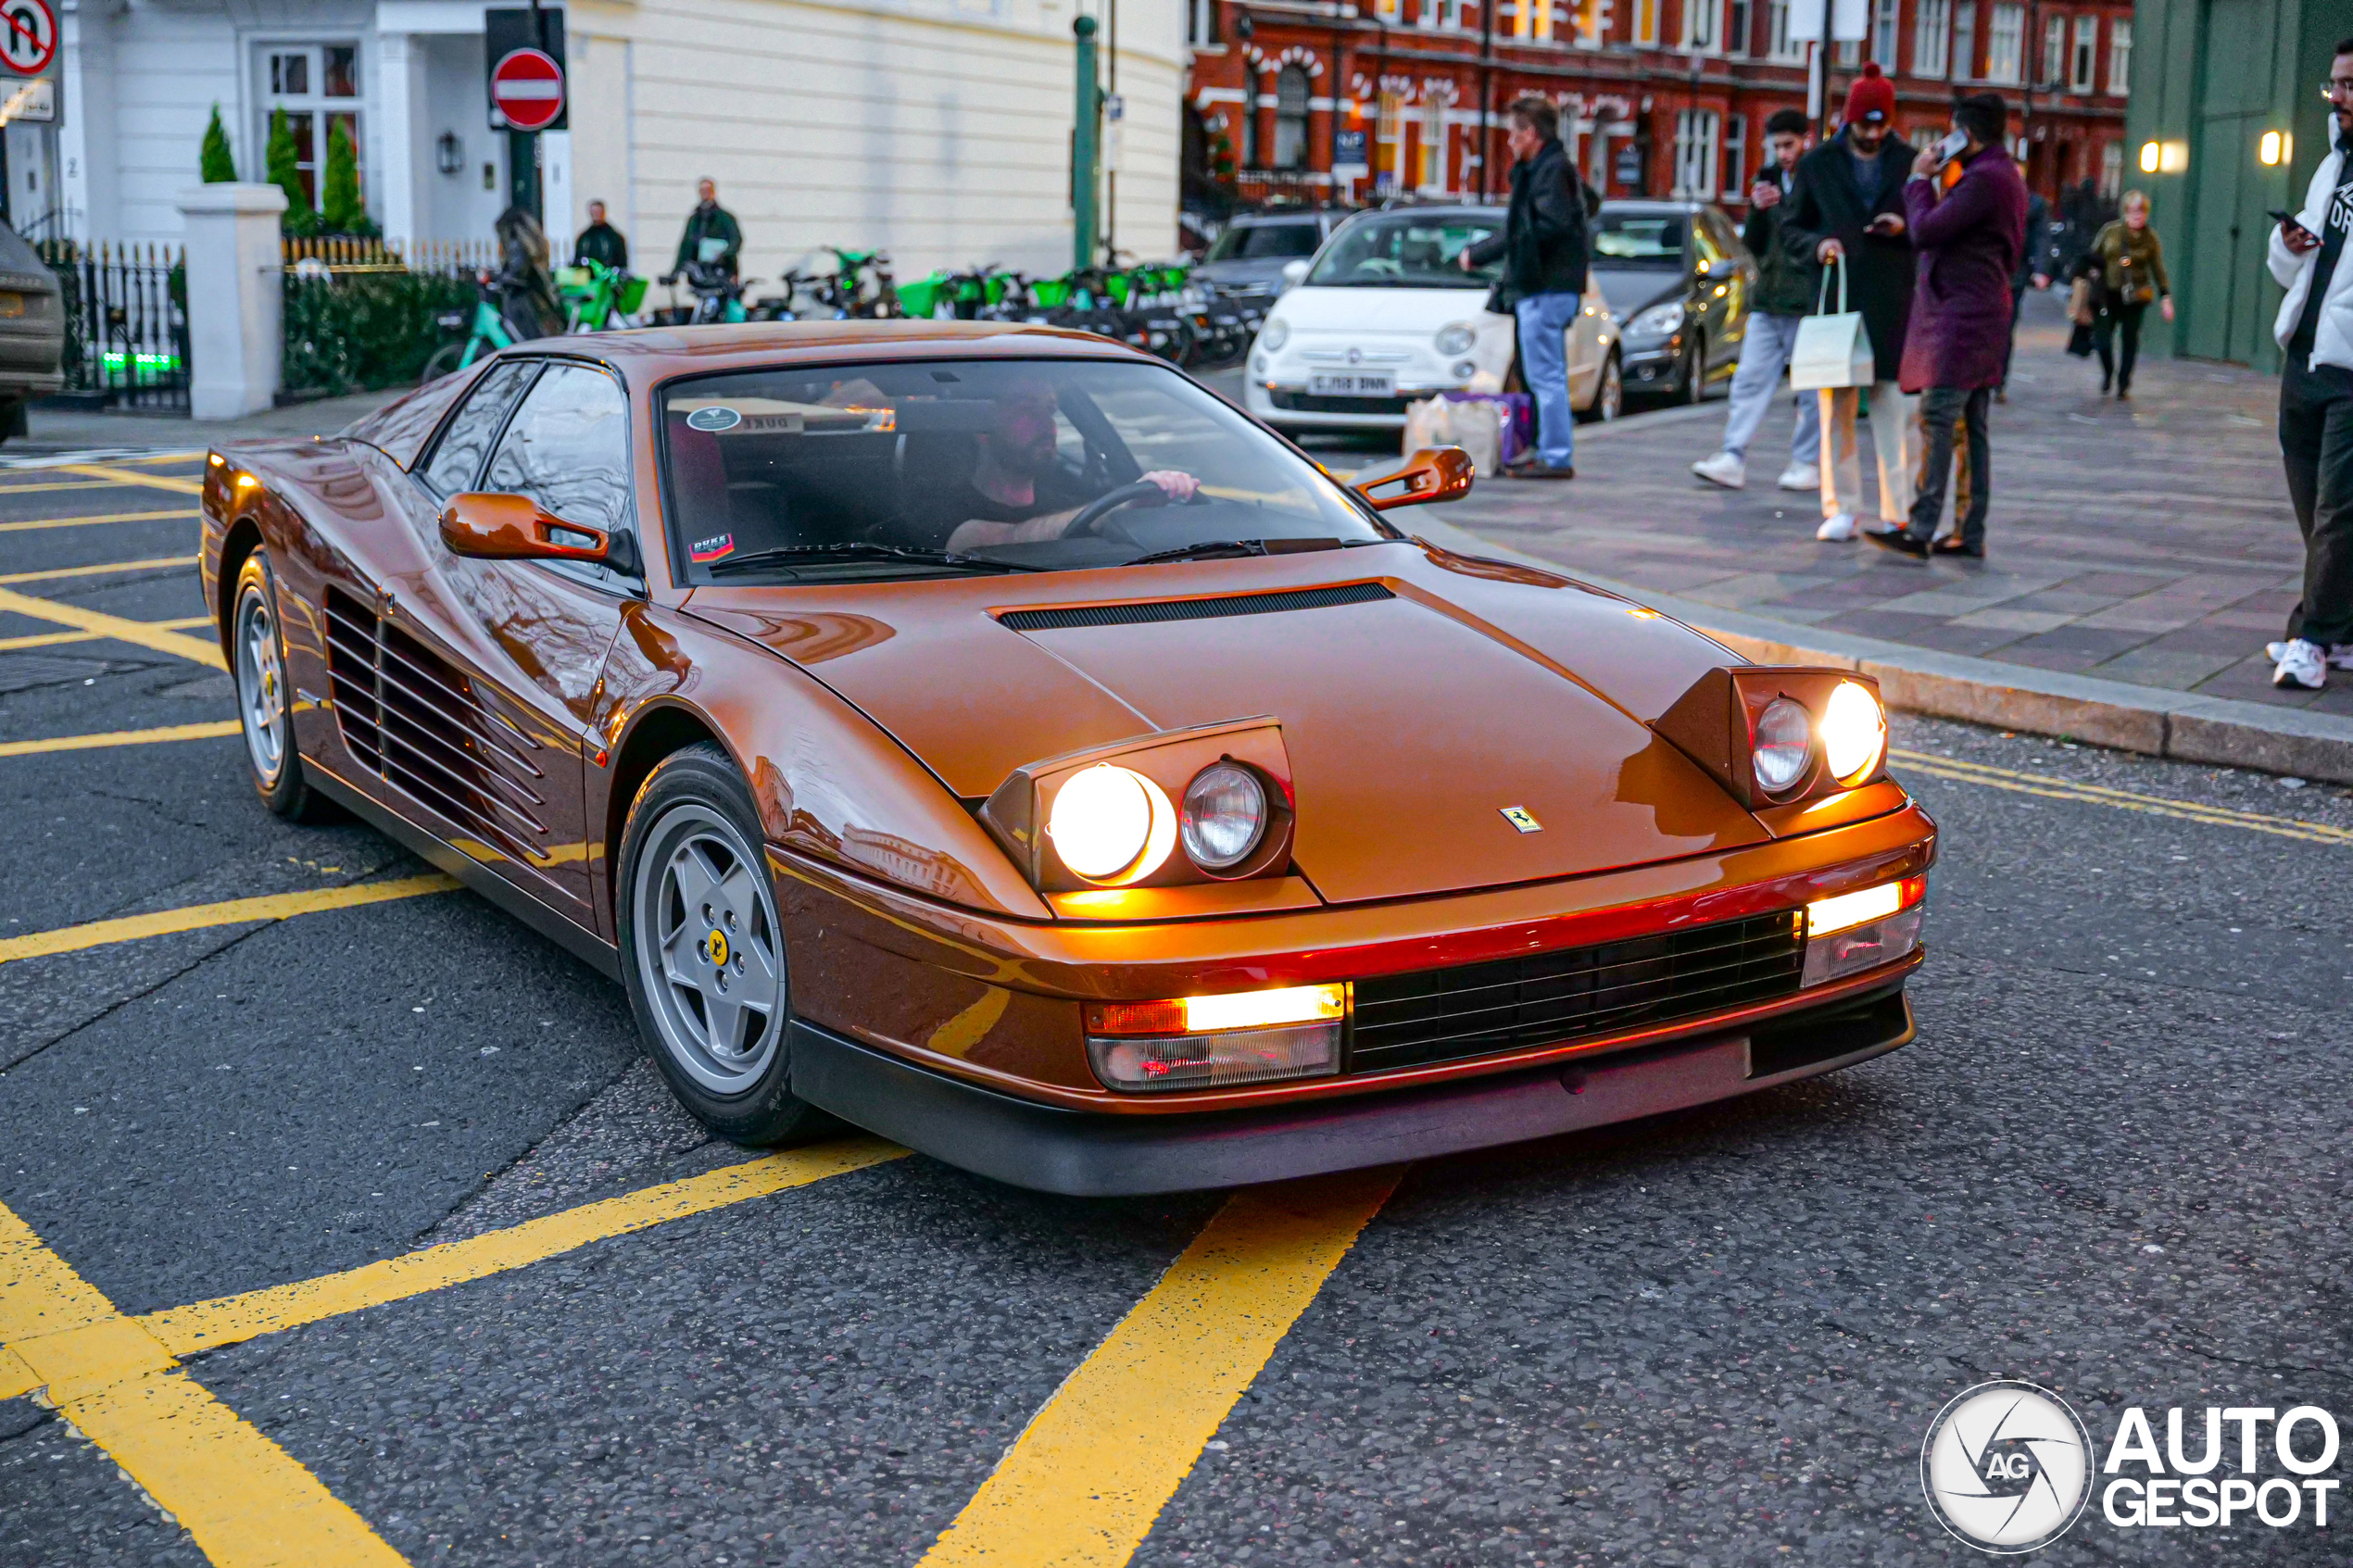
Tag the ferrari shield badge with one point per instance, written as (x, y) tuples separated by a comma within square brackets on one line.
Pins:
[(719, 948), (1523, 819)]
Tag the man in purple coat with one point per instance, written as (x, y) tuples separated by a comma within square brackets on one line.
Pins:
[(1968, 239)]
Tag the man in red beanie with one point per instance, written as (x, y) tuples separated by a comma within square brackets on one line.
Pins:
[(1847, 213)]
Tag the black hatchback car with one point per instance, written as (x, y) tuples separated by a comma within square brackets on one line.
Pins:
[(1678, 279), (1245, 263)]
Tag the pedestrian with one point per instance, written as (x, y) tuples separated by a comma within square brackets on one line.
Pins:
[(1783, 298), (1848, 203), (712, 237), (600, 242), (526, 291), (1544, 249), (1968, 240), (2132, 271), (2315, 331), (2033, 271)]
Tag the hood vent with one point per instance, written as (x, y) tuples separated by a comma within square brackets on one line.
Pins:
[(1191, 609)]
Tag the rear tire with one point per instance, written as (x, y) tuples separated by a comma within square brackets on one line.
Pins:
[(257, 665), (702, 950), (444, 361)]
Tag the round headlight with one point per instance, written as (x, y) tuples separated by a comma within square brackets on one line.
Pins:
[(1109, 823), (1276, 333), (1784, 736), (1224, 816), (1456, 339), (1854, 732), (1658, 320)]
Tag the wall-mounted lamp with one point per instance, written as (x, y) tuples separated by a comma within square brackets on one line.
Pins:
[(2277, 147), (2150, 153), (2164, 157), (449, 154)]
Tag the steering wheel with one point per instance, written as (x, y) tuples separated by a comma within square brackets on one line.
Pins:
[(1088, 524)]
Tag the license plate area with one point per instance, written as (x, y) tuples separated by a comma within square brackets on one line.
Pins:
[(11, 306), (1352, 383)]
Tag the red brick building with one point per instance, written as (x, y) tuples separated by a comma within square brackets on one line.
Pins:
[(1316, 101)]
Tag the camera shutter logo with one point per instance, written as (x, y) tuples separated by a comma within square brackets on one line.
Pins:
[(2006, 1467)]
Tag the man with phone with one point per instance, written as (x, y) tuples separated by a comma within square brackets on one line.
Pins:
[(1783, 299), (2315, 333), (1845, 212)]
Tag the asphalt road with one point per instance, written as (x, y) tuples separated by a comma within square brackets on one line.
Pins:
[(2112, 1164)]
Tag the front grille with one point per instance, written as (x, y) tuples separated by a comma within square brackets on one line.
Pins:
[(1547, 998), (1324, 403), (414, 720), (1191, 609)]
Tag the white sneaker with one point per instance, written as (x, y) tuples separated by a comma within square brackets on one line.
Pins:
[(1837, 529), (1723, 469), (1802, 476), (2340, 654), (2303, 666)]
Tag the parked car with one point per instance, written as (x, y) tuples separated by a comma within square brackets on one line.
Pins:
[(33, 330), (1385, 315), (1678, 278), (1160, 817), (1245, 262)]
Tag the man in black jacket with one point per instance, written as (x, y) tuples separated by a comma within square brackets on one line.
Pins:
[(1847, 213), (712, 237), (600, 242), (1783, 299), (1544, 250)]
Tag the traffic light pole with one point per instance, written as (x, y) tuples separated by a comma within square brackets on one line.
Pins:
[(1084, 150)]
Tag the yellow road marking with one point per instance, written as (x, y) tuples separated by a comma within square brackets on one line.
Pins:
[(56, 484), (83, 521), (124, 476), (51, 639), (122, 629), (2052, 788), (211, 729), (16, 1378), (1083, 1483), (233, 1319), (152, 563), (244, 1500), (233, 912)]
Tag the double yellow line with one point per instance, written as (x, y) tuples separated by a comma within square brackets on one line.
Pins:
[(2050, 788)]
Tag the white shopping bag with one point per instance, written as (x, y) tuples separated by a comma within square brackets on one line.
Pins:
[(1833, 350), (1475, 426)]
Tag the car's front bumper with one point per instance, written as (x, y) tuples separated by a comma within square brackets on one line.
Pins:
[(1095, 1155)]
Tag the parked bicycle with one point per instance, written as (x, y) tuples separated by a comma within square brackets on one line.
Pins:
[(598, 298)]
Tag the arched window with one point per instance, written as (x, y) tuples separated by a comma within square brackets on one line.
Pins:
[(1291, 118)]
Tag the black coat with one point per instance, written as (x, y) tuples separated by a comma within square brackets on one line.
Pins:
[(1786, 285), (601, 243), (1544, 244), (1828, 205)]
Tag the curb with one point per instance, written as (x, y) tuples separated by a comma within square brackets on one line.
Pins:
[(2152, 721)]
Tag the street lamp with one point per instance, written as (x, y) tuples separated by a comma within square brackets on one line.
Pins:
[(449, 154)]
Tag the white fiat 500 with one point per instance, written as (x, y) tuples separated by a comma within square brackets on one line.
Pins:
[(1385, 315)]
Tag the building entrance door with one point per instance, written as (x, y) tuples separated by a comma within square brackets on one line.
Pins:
[(2222, 277)]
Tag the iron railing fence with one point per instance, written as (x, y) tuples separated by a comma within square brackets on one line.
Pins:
[(126, 311)]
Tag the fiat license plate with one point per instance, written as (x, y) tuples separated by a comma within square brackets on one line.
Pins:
[(1352, 383)]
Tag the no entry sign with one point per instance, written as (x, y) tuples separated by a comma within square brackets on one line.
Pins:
[(527, 86)]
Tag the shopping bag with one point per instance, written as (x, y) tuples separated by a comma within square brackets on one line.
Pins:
[(1833, 348), (1474, 423), (1515, 420)]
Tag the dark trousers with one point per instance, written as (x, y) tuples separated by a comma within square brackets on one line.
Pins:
[(2316, 439), (2128, 317), (1942, 410), (2010, 345)]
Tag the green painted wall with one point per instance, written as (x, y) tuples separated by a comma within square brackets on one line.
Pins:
[(2216, 75)]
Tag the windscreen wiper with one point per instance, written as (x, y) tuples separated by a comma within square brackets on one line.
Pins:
[(790, 556), (1209, 550)]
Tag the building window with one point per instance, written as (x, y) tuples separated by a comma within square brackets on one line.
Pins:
[(1695, 152), (1433, 147), (2054, 52), (2112, 170), (1532, 20), (1388, 135), (318, 86), (2087, 53), (2119, 59), (1700, 17), (1736, 157), (1779, 44), (1251, 158), (1931, 37), (1646, 22), (1291, 118), (1390, 11), (1201, 22), (1883, 23), (1850, 54), (1590, 18), (2005, 44), (1737, 23), (1965, 40)]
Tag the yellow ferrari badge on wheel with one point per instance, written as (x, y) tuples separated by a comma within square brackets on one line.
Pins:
[(1523, 819), (719, 949)]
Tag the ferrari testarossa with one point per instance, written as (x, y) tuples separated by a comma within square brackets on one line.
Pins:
[(988, 736)]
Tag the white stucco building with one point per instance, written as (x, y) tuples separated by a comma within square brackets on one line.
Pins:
[(937, 129)]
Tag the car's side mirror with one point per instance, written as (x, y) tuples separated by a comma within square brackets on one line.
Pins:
[(1294, 271), (486, 526), (1439, 473)]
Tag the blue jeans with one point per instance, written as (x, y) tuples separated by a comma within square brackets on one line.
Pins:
[(1545, 321)]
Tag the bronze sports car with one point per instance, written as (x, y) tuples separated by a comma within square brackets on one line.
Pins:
[(988, 736)]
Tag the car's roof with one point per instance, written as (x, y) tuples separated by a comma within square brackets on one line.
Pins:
[(1265, 220), (662, 350), (1434, 209), (1653, 205)]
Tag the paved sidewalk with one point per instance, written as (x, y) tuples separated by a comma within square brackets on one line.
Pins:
[(51, 431), (2147, 542)]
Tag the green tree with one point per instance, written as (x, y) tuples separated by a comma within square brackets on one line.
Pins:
[(339, 192), (216, 164), (300, 219)]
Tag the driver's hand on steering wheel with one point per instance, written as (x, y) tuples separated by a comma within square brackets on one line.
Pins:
[(1179, 485)]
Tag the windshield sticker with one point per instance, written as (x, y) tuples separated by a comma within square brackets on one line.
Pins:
[(712, 548), (713, 419)]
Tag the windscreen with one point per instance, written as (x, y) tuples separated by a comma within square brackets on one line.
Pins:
[(1264, 241), (1413, 251), (937, 467), (1638, 239)]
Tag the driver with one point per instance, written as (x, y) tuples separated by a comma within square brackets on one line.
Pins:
[(1002, 504)]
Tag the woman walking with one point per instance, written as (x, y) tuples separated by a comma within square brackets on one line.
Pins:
[(2132, 265)]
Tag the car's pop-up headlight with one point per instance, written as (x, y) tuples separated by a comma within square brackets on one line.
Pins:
[(1208, 1042), (1776, 736)]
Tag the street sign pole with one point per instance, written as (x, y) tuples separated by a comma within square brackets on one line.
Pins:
[(1082, 149)]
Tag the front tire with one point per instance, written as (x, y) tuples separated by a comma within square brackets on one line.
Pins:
[(257, 664), (1695, 387), (1609, 397), (702, 950)]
